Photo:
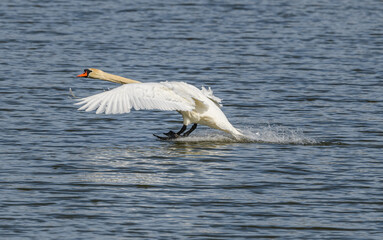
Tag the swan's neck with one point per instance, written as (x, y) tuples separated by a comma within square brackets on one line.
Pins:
[(114, 78)]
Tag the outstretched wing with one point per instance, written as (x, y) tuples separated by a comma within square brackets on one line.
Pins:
[(122, 99)]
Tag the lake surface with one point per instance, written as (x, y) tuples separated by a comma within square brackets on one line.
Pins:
[(302, 79)]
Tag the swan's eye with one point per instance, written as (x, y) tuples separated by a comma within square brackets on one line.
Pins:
[(87, 71)]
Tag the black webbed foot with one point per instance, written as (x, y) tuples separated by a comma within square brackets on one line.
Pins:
[(172, 135), (161, 138), (169, 136)]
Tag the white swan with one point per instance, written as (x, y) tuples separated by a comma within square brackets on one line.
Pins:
[(196, 106)]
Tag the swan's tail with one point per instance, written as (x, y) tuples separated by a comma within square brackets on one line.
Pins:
[(237, 134)]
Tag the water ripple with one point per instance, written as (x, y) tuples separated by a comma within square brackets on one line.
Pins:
[(301, 79)]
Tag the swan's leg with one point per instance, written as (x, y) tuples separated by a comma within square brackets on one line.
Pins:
[(171, 134), (190, 130), (181, 130)]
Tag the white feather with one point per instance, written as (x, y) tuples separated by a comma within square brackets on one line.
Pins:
[(162, 96), (209, 93)]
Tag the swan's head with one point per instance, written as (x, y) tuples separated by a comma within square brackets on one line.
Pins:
[(99, 74), (92, 73)]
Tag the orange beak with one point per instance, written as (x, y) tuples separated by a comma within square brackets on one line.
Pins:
[(85, 74)]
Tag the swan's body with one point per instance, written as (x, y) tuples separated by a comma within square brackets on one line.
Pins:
[(196, 106)]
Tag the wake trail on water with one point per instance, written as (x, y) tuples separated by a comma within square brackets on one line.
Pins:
[(267, 134)]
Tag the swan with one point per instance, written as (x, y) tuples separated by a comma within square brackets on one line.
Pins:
[(196, 106)]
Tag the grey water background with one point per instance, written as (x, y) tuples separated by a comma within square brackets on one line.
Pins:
[(303, 79)]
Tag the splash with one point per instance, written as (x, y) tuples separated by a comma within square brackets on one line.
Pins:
[(278, 135), (268, 134)]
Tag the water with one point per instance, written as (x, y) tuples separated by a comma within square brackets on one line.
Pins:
[(302, 79)]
